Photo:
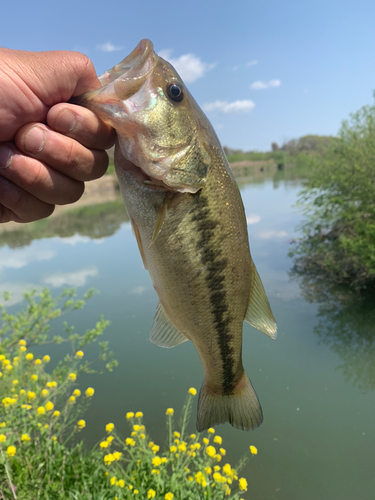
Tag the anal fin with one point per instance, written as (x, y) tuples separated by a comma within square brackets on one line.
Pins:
[(259, 313), (163, 332)]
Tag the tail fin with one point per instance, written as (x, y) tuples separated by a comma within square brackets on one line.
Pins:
[(241, 409)]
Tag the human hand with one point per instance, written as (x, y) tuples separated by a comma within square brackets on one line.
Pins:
[(48, 147)]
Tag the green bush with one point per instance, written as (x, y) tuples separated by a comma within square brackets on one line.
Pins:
[(339, 234), (40, 413)]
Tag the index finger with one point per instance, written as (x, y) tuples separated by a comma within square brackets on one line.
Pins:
[(82, 125)]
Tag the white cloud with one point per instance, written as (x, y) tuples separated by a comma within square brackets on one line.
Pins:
[(77, 278), (244, 106), (188, 66), (73, 240), (252, 63), (108, 47), (260, 85), (270, 235), (138, 290), (17, 258), (252, 219)]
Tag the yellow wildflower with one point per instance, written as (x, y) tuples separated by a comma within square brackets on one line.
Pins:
[(23, 348), (151, 444), (104, 444), (169, 411), (211, 452), (211, 430), (72, 377), (22, 392), (206, 441), (113, 480), (56, 414), (9, 401), (1, 374), (218, 440), (76, 393), (11, 451), (26, 407), (218, 458), (227, 469), (29, 356), (151, 493), (253, 450), (155, 448), (54, 438), (89, 392), (173, 449), (41, 410), (136, 492), (242, 483), (31, 395), (72, 400), (164, 460), (49, 406), (121, 484), (193, 436), (2, 438), (22, 342), (168, 496), (38, 361), (208, 470), (46, 358), (223, 451), (25, 437), (142, 436), (109, 439), (139, 414), (129, 415), (197, 446), (108, 459), (182, 446), (192, 391), (109, 427), (9, 368), (117, 455), (81, 424), (200, 479), (190, 478), (45, 392), (15, 382), (79, 354), (52, 383), (129, 442), (176, 434), (34, 377), (136, 427), (156, 461), (155, 471), (226, 489)]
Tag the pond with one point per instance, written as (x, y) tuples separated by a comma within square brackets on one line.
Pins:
[(315, 383)]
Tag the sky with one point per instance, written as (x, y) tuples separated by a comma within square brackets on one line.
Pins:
[(262, 70)]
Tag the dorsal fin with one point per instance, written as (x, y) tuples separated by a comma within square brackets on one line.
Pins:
[(163, 332), (259, 313)]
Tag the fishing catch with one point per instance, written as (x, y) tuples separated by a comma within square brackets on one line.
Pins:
[(188, 218)]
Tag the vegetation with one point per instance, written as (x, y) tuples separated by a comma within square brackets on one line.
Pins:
[(40, 413), (339, 233)]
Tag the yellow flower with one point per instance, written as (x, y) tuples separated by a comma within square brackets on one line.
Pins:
[(182, 446), (38, 361), (164, 460), (54, 438), (15, 382), (104, 444), (46, 358), (156, 461), (89, 392), (2, 438), (23, 348), (25, 437), (22, 392), (151, 493), (168, 496), (121, 483), (9, 402), (223, 451), (79, 354), (52, 383), (3, 424), (29, 356), (139, 414), (117, 455), (1, 374), (197, 446), (72, 377), (242, 483), (31, 395), (49, 406), (227, 469), (192, 391), (11, 451), (76, 393), (109, 427), (26, 407), (41, 410), (218, 440), (211, 430), (45, 392), (169, 411), (113, 480), (208, 470), (136, 492), (108, 459), (34, 377), (56, 414), (129, 442), (218, 458), (81, 424), (173, 449), (193, 436), (72, 400), (155, 471), (109, 439), (129, 415), (177, 434), (206, 441), (151, 444), (155, 448), (2, 357), (217, 477), (22, 342), (45, 426), (190, 478), (253, 450), (226, 489), (200, 479), (211, 452)]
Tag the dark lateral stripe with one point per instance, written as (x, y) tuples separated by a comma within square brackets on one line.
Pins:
[(211, 257)]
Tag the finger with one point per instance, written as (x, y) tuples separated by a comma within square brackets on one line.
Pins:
[(20, 206), (82, 125), (61, 153), (40, 180)]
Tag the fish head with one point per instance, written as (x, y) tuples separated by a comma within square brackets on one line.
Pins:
[(160, 127)]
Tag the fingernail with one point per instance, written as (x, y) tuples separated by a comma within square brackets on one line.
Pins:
[(65, 121), (6, 154), (34, 140)]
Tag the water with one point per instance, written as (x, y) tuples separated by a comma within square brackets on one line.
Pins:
[(315, 382)]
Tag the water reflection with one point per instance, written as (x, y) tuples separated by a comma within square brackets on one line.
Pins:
[(347, 325)]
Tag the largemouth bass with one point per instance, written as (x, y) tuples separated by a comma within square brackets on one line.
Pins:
[(187, 215)]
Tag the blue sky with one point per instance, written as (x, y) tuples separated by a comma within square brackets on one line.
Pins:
[(264, 71)]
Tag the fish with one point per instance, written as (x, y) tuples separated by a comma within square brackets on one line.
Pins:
[(188, 218)]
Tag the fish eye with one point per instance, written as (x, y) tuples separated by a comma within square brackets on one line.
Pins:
[(175, 92)]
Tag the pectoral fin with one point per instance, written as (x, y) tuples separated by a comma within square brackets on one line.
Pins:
[(139, 242), (163, 332), (160, 219), (259, 313)]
